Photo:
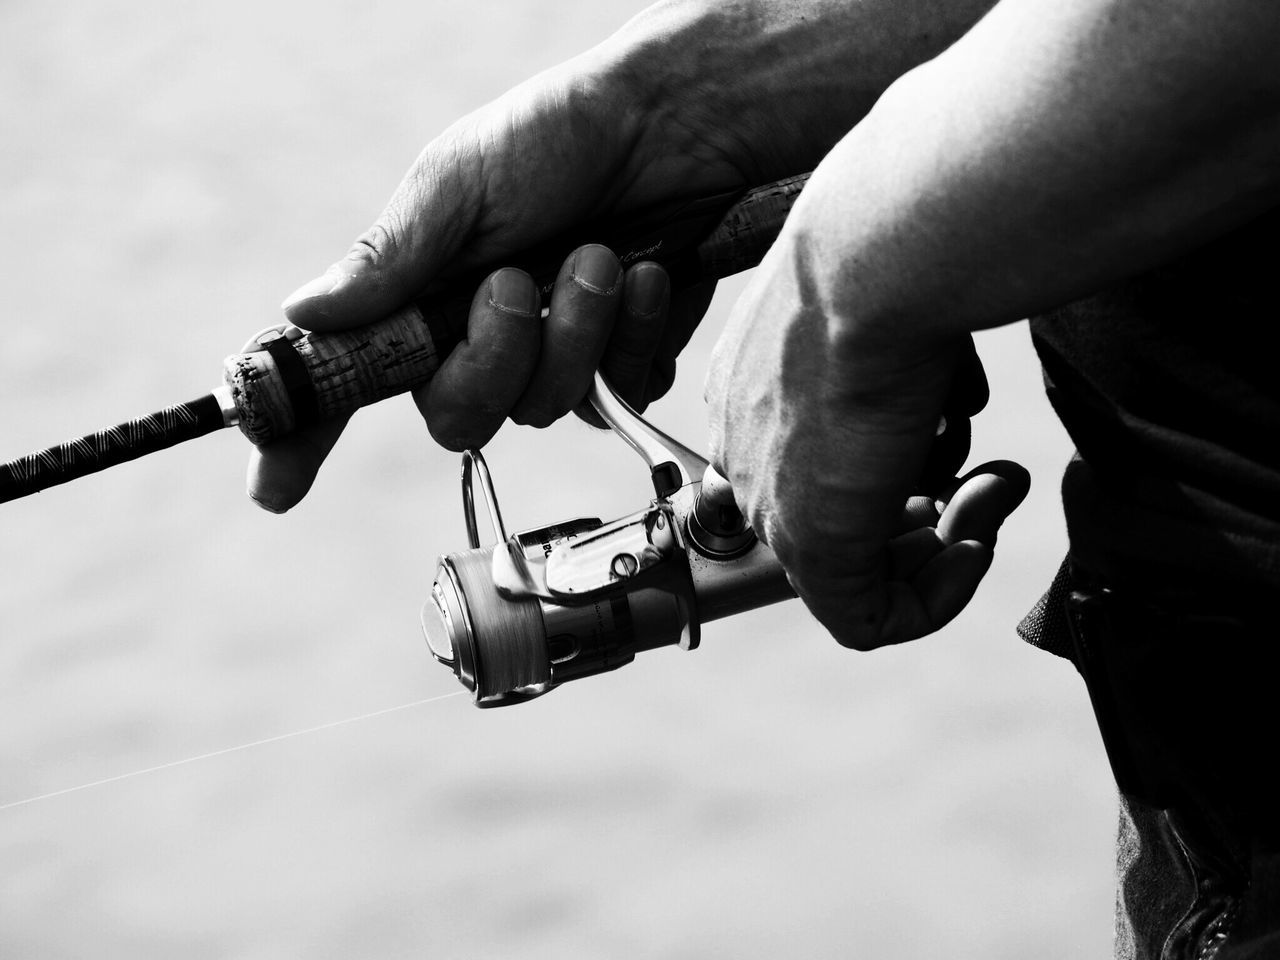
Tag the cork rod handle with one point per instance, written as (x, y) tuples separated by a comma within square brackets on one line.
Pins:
[(337, 373)]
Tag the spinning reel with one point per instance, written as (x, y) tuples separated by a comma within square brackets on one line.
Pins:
[(573, 599)]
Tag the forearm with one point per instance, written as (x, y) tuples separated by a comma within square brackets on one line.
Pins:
[(790, 76), (1054, 149)]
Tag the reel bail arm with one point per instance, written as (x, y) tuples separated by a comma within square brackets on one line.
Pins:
[(578, 598)]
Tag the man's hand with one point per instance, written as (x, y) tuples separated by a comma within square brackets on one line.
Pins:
[(552, 153), (824, 439), (691, 98)]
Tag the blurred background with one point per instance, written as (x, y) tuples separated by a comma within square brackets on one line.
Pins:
[(168, 172)]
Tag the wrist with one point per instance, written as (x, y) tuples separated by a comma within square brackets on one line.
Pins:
[(769, 86), (874, 337)]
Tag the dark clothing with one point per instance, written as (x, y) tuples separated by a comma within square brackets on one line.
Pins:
[(1168, 386), (1183, 894), (1188, 723)]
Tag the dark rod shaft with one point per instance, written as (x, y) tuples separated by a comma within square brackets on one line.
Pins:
[(118, 444)]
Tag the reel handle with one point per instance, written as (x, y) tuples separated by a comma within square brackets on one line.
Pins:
[(321, 376)]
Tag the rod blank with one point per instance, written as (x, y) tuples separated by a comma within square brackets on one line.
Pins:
[(107, 448)]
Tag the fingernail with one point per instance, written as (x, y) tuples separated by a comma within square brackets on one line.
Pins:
[(321, 286), (510, 289), (267, 504), (646, 289), (597, 269)]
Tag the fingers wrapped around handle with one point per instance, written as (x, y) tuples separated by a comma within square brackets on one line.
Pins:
[(517, 359), (484, 377)]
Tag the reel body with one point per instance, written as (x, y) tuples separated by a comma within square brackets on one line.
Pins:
[(582, 597)]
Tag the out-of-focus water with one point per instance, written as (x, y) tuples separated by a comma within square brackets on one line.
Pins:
[(168, 171)]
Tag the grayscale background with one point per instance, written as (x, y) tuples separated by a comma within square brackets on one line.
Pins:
[(168, 172)]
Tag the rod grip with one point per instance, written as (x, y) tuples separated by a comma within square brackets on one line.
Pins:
[(347, 369), (704, 239)]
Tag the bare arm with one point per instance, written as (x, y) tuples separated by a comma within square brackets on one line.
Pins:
[(1053, 149)]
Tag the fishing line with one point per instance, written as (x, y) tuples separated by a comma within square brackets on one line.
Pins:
[(226, 750)]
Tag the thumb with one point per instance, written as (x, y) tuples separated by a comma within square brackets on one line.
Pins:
[(423, 226), (982, 500)]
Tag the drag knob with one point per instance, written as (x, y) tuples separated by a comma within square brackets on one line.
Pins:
[(715, 525)]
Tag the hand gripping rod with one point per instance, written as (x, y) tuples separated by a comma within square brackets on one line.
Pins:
[(274, 391)]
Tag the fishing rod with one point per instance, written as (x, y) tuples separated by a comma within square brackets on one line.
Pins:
[(516, 619), (288, 384)]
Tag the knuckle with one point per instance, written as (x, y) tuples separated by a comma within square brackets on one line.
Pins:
[(376, 245)]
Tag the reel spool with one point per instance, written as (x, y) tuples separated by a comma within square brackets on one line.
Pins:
[(578, 598)]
